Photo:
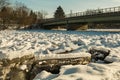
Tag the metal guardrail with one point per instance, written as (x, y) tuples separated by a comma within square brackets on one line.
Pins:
[(93, 12)]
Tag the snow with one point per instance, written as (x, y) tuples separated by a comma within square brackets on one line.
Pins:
[(44, 75), (92, 71), (52, 44), (63, 56), (23, 67), (112, 30)]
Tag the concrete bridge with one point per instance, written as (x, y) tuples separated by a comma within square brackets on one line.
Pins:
[(85, 19)]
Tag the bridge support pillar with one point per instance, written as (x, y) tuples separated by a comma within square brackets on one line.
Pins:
[(67, 24), (83, 27), (78, 27)]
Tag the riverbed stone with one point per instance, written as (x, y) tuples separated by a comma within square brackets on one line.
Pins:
[(99, 53)]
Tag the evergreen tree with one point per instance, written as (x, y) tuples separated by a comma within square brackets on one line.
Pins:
[(59, 13)]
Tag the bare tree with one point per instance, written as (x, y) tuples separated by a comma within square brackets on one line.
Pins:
[(92, 12), (39, 15), (44, 13), (3, 3)]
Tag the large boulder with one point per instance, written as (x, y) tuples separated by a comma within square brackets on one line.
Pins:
[(98, 53)]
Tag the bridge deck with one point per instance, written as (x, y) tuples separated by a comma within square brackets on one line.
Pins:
[(89, 16)]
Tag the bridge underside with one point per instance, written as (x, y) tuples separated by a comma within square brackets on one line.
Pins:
[(85, 26)]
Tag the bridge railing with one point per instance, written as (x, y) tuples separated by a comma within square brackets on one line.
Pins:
[(90, 12), (93, 12)]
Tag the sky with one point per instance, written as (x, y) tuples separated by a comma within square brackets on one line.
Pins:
[(68, 5)]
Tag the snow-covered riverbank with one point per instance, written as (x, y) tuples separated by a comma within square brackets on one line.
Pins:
[(107, 30), (47, 44)]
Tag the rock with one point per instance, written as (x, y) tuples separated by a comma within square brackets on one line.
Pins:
[(53, 65), (15, 69), (17, 74), (99, 53), (108, 59), (3, 72), (27, 67)]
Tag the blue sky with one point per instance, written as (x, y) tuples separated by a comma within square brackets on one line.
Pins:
[(67, 5)]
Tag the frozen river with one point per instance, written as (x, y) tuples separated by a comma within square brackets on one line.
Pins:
[(47, 44), (47, 41)]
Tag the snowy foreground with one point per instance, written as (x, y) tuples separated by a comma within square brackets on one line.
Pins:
[(48, 45)]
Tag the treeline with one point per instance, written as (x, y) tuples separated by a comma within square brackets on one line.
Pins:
[(18, 16)]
